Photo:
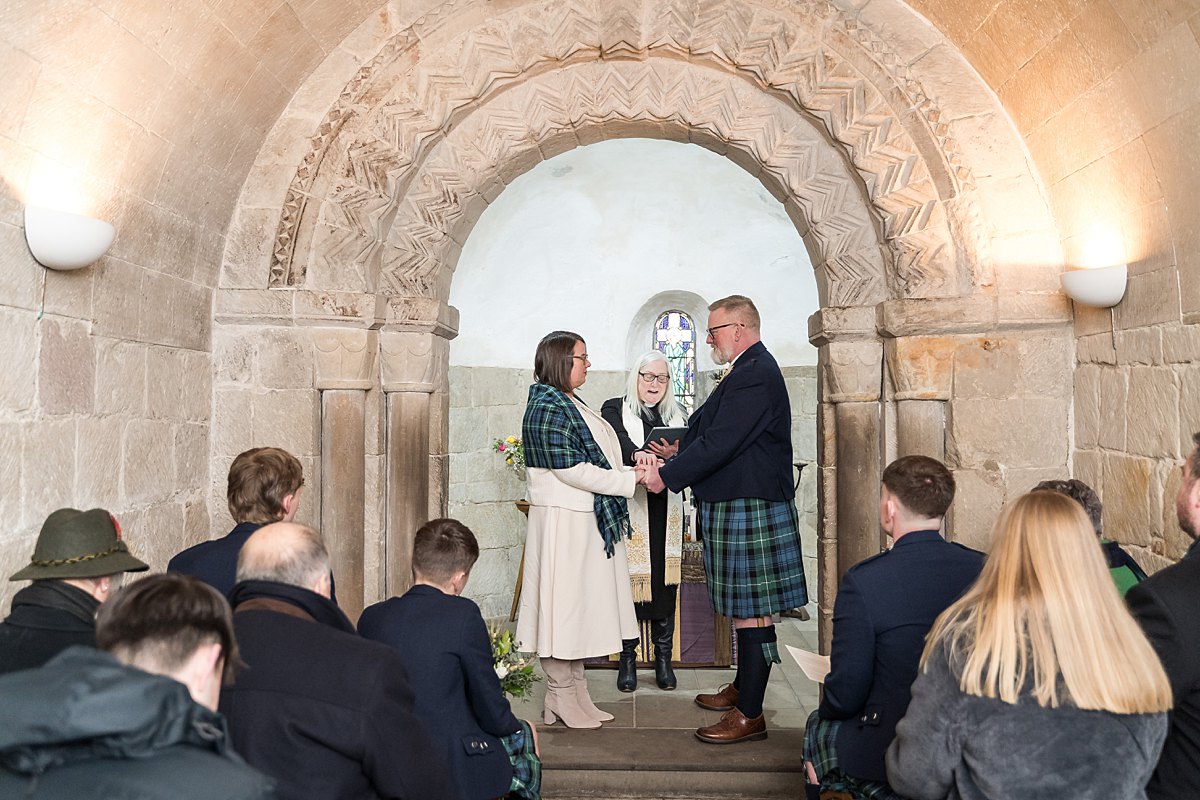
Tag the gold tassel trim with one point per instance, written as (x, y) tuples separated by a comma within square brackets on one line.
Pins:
[(641, 588), (674, 570)]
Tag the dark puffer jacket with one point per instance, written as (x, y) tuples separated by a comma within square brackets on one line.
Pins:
[(86, 726)]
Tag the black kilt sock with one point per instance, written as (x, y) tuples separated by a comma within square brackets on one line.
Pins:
[(754, 670)]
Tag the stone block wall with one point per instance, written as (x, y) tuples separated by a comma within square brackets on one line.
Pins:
[(263, 396), (1136, 409), (91, 420), (487, 403)]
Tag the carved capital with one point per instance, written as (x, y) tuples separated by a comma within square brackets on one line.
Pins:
[(412, 361), (344, 357), (852, 371), (921, 367)]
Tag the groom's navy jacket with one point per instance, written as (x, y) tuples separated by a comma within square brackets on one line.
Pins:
[(739, 442)]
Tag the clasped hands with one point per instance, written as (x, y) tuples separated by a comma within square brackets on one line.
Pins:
[(647, 462)]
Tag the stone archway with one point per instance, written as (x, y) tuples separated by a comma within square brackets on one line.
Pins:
[(810, 99)]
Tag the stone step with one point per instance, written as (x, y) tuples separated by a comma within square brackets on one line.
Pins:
[(631, 763)]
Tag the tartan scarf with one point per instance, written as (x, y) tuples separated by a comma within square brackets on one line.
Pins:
[(556, 437)]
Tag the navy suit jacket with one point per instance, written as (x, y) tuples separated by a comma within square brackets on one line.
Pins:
[(1166, 605), (215, 562), (739, 442), (885, 606), (444, 644)]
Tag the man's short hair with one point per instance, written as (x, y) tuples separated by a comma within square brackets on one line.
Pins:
[(303, 564), (552, 363), (922, 484), (1194, 458), (442, 548), (739, 306), (159, 622), (259, 479), (1081, 493)]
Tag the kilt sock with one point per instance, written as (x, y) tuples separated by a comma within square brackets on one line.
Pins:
[(754, 669)]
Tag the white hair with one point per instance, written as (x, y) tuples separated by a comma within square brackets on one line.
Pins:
[(669, 408)]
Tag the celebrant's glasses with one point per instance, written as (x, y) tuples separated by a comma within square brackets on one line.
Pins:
[(650, 377), (713, 330), (582, 357)]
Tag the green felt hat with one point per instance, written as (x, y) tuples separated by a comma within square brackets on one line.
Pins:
[(79, 544)]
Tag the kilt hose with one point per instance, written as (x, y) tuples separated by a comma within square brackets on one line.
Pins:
[(820, 750), (752, 556)]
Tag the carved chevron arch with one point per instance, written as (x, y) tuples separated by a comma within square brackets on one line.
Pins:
[(663, 99), (816, 59)]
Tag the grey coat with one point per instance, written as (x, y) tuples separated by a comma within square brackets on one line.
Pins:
[(954, 745)]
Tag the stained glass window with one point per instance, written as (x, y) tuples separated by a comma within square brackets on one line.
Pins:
[(675, 338)]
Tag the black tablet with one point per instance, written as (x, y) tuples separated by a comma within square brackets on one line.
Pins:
[(670, 434)]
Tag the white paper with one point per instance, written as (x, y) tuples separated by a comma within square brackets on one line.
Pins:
[(815, 665)]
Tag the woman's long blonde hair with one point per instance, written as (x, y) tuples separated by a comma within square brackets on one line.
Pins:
[(1045, 616)]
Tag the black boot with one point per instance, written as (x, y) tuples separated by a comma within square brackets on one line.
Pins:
[(627, 666), (663, 631)]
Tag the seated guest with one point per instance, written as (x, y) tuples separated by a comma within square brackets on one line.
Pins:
[(1125, 572), (79, 559), (885, 606), (1165, 605), (137, 720), (323, 711), (1037, 683), (490, 752), (264, 486)]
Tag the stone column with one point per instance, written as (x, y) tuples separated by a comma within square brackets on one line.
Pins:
[(921, 369), (852, 379), (345, 365), (411, 362)]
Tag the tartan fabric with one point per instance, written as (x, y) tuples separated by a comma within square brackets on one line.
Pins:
[(556, 437), (527, 767), (820, 750), (752, 556)]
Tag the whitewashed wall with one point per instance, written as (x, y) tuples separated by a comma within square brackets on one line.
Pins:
[(583, 240)]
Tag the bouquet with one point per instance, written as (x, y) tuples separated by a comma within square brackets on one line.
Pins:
[(514, 670), (513, 451)]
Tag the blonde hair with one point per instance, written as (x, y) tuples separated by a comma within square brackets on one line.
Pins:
[(669, 409), (1045, 615)]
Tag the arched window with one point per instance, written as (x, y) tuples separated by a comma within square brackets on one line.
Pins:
[(675, 337)]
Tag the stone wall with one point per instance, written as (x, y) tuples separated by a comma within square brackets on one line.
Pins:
[(487, 403), (1136, 409)]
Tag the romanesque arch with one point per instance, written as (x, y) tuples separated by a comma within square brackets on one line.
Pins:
[(871, 146)]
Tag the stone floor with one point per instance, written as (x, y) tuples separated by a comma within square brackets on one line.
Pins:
[(649, 750)]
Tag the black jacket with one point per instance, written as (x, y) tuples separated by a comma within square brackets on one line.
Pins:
[(1167, 604), (444, 644), (215, 562), (47, 617), (739, 442), (85, 726), (326, 713), (885, 606)]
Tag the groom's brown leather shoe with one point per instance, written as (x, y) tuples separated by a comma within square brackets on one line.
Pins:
[(734, 727), (723, 700)]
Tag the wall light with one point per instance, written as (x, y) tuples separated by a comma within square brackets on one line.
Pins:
[(62, 240), (1102, 287)]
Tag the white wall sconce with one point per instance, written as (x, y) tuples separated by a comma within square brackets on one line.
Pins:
[(1101, 287), (64, 241)]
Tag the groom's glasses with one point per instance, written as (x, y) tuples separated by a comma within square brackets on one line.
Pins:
[(650, 377)]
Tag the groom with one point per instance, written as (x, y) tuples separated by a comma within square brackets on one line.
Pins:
[(737, 459)]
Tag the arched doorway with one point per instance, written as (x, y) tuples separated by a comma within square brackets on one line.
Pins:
[(831, 117)]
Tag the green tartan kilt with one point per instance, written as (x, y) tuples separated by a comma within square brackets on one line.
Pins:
[(820, 750), (752, 557)]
